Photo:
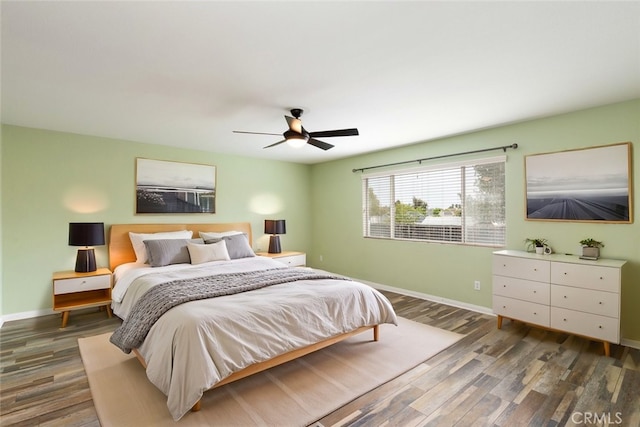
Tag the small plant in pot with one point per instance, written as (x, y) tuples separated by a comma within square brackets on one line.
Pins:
[(536, 244), (591, 248)]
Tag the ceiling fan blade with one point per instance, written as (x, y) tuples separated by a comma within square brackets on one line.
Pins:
[(319, 144), (275, 143), (294, 124), (339, 132), (256, 133)]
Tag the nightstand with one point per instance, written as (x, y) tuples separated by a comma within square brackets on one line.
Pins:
[(290, 258), (72, 291)]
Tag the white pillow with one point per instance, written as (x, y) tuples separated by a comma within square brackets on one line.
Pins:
[(209, 235), (137, 241), (205, 253)]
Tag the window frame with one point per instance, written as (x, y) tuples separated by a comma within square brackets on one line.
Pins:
[(393, 173)]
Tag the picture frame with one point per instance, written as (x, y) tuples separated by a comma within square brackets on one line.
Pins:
[(168, 187), (583, 185)]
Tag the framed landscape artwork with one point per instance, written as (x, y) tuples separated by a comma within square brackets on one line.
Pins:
[(172, 187), (590, 185)]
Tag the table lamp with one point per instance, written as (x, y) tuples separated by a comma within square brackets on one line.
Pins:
[(86, 234), (274, 227)]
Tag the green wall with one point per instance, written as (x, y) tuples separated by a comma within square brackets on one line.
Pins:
[(448, 270), (51, 178)]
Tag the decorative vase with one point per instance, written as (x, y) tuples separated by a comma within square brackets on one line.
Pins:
[(539, 250), (589, 252)]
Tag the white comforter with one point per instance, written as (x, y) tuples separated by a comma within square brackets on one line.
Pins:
[(195, 345)]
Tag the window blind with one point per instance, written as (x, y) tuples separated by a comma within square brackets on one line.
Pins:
[(459, 203)]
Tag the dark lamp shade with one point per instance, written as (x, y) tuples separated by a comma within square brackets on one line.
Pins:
[(275, 226), (86, 233)]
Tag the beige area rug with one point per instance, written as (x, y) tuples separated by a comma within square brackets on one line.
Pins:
[(297, 393)]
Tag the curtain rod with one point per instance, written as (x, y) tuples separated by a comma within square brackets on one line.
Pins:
[(503, 148)]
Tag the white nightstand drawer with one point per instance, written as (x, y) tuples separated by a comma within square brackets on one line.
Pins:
[(586, 276), (522, 268), (596, 302), (293, 260), (528, 312), (526, 290), (80, 284), (588, 325)]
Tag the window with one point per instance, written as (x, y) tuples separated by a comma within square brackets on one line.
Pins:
[(461, 203)]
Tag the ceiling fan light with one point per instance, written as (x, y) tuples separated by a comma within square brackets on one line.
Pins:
[(294, 139), (296, 142)]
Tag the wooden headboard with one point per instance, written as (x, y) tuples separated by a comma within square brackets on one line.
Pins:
[(121, 250)]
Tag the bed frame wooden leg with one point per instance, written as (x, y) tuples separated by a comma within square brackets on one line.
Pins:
[(376, 332), (197, 406)]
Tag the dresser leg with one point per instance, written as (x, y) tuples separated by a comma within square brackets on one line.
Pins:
[(108, 307), (499, 322), (607, 348), (65, 319)]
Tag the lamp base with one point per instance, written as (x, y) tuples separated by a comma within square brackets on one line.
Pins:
[(86, 261), (274, 245)]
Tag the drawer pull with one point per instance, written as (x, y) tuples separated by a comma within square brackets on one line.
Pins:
[(600, 326), (535, 292), (600, 278), (504, 306), (535, 269), (535, 314), (504, 286), (565, 297), (600, 302), (564, 320), (565, 273)]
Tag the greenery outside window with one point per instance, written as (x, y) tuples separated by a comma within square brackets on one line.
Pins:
[(457, 203)]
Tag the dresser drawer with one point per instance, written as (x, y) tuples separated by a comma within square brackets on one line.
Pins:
[(526, 290), (525, 311), (293, 260), (81, 284), (596, 302), (586, 324), (586, 276), (521, 268)]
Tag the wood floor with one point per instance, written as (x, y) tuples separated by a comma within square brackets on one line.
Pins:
[(517, 376)]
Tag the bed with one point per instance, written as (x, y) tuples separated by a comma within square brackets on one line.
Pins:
[(192, 344)]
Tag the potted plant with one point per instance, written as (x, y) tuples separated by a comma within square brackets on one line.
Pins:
[(537, 244), (591, 248)]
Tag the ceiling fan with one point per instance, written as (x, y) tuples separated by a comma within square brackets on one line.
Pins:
[(297, 136)]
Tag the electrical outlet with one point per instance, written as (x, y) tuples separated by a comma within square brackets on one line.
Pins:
[(476, 285)]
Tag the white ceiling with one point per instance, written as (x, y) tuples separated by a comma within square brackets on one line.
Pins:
[(189, 73)]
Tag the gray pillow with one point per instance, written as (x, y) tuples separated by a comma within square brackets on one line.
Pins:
[(169, 251), (237, 245)]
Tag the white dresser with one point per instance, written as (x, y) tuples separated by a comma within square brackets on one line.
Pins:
[(560, 292)]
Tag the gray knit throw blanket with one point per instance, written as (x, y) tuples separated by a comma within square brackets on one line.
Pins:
[(161, 298)]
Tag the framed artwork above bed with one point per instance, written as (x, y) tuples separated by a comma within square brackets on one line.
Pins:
[(165, 187), (584, 185)]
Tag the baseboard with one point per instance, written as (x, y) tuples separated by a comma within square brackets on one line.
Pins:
[(428, 297), (25, 315), (630, 343)]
